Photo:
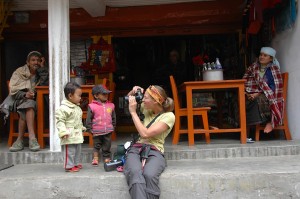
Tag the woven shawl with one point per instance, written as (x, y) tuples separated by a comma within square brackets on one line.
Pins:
[(256, 84)]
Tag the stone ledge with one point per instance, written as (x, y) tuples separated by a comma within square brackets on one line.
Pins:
[(177, 152), (268, 177)]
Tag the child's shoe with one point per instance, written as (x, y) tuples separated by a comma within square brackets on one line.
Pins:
[(79, 166), (73, 169), (95, 162)]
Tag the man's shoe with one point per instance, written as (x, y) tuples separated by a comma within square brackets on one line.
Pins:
[(34, 145), (17, 146)]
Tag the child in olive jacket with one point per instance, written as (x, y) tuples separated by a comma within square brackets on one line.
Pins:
[(70, 127)]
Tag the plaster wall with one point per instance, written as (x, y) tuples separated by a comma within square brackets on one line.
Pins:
[(288, 53)]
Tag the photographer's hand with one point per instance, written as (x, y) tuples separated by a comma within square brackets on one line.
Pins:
[(135, 88), (132, 104)]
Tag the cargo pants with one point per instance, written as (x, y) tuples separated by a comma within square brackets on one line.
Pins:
[(143, 183)]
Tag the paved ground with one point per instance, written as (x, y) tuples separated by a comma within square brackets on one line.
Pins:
[(267, 177)]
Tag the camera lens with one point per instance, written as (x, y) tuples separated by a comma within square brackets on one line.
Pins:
[(126, 98)]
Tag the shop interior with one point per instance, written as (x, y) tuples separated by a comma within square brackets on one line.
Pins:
[(138, 57)]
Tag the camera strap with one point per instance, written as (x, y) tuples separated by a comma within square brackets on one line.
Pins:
[(135, 138), (152, 121)]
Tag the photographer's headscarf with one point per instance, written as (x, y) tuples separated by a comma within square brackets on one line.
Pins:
[(154, 93), (272, 52)]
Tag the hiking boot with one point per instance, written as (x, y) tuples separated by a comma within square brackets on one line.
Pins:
[(34, 145), (17, 146)]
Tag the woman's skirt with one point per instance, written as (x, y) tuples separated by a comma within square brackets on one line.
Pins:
[(22, 105), (258, 111)]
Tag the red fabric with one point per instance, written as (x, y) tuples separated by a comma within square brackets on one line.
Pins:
[(267, 4), (255, 84), (254, 27), (255, 17), (258, 11)]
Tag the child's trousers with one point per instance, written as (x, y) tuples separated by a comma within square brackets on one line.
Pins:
[(71, 154), (103, 142)]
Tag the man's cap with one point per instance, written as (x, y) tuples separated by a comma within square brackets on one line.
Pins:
[(100, 89)]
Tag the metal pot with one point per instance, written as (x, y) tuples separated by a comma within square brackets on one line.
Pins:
[(79, 80), (211, 75)]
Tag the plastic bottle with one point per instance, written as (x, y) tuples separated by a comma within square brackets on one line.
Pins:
[(212, 65), (72, 72), (208, 66), (218, 64), (204, 66)]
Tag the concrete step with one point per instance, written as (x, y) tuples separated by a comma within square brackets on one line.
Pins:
[(256, 177), (217, 149)]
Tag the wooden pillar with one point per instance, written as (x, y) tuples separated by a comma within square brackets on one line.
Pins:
[(59, 61)]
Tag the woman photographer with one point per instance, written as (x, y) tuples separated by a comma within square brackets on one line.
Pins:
[(145, 159)]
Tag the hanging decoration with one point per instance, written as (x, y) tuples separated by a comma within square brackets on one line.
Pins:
[(100, 56)]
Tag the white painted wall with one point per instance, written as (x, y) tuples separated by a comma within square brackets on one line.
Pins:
[(287, 45)]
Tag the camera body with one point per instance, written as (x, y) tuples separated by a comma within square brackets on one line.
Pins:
[(138, 97)]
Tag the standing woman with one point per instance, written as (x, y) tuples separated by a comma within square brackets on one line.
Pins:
[(264, 100), (143, 175)]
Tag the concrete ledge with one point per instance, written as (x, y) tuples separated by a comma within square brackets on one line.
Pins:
[(267, 177), (172, 152)]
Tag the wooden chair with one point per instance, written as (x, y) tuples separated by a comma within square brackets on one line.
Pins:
[(182, 112), (13, 120), (284, 126)]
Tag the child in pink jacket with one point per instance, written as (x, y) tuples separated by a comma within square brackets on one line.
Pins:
[(101, 121)]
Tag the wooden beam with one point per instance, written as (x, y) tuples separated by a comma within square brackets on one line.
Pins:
[(95, 8), (175, 19)]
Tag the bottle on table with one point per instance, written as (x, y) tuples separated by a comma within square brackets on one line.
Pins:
[(204, 66), (208, 66), (212, 65), (218, 64)]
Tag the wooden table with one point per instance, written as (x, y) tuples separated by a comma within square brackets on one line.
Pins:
[(189, 87), (42, 131)]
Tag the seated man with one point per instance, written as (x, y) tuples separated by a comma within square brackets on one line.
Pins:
[(22, 94), (174, 67)]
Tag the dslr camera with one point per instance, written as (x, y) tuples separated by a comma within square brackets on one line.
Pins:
[(138, 97)]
